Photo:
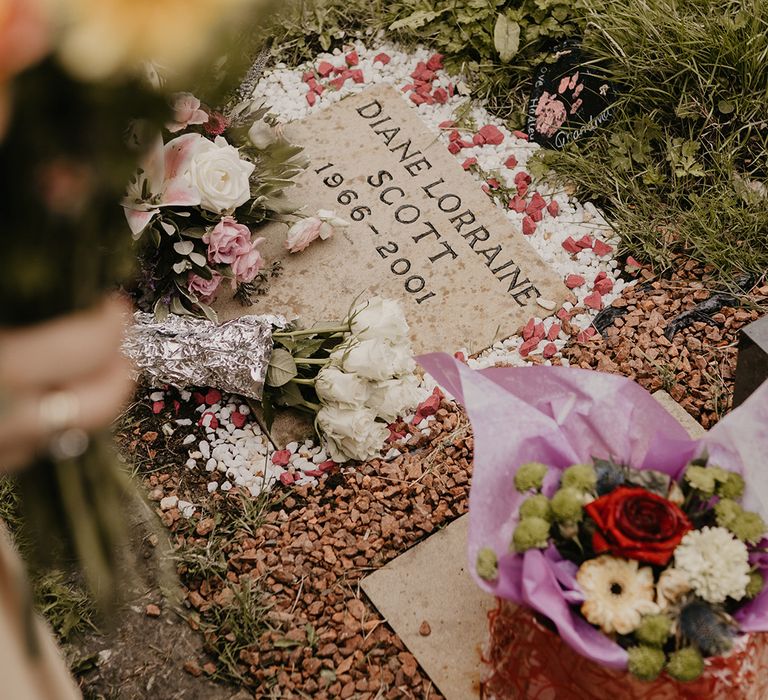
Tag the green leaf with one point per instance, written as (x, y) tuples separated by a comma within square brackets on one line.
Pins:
[(506, 37), (726, 106), (267, 408), (290, 395), (416, 20), (282, 368)]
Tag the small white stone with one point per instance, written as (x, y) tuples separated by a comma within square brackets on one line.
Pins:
[(205, 448), (157, 396), (183, 421), (196, 455), (226, 486), (191, 464), (168, 502), (167, 429), (210, 465), (292, 446), (320, 457), (188, 440), (546, 303), (212, 486), (185, 395)]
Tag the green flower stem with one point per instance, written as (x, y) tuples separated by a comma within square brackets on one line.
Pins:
[(332, 330), (307, 382), (310, 361), (314, 407)]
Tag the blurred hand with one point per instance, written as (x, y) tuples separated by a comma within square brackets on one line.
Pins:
[(78, 355)]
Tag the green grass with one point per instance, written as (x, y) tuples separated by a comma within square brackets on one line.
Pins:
[(678, 167)]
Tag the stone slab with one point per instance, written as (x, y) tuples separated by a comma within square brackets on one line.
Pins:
[(431, 582), (752, 366), (421, 231)]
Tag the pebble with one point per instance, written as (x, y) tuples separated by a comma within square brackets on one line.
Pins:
[(168, 502), (189, 439)]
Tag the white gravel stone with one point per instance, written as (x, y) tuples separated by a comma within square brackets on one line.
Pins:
[(168, 502)]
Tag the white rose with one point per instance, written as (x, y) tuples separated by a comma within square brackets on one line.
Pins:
[(375, 359), (334, 386), (261, 134), (220, 175), (351, 433), (379, 318), (394, 397)]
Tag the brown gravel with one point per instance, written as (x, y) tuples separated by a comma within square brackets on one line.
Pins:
[(696, 367), (310, 555)]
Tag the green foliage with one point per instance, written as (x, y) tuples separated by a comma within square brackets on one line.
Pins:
[(682, 166), (493, 44)]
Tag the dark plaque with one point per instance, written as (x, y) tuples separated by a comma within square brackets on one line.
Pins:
[(569, 99), (752, 367)]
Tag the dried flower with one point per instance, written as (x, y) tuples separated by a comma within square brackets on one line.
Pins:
[(567, 505), (645, 662), (536, 506), (579, 476), (654, 630), (710, 630), (685, 664), (672, 585), (716, 564), (530, 533), (487, 565), (530, 476), (617, 593)]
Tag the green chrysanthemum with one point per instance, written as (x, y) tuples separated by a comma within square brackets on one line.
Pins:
[(701, 478), (726, 512), (755, 585), (686, 664), (645, 662), (748, 527), (487, 564), (530, 533), (579, 476), (536, 507), (654, 630), (566, 505), (732, 487), (530, 476)]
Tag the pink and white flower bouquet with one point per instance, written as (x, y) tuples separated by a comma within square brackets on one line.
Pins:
[(203, 186)]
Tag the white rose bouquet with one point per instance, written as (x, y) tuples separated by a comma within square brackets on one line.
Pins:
[(196, 198), (355, 377)]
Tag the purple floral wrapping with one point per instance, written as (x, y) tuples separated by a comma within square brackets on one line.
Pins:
[(562, 416)]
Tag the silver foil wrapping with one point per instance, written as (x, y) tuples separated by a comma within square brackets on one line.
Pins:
[(183, 351)]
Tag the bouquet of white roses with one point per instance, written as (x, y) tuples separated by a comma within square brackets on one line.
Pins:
[(356, 377)]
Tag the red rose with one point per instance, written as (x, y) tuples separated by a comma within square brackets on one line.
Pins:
[(636, 524)]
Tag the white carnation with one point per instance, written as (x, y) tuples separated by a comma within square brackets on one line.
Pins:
[(374, 359), (351, 433), (220, 175), (716, 563), (395, 397), (336, 386), (379, 318)]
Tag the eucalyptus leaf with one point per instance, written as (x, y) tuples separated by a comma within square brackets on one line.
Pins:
[(282, 368), (181, 266), (183, 247), (198, 259), (506, 37), (170, 229)]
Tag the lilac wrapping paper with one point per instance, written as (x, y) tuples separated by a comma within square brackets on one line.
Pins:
[(562, 416)]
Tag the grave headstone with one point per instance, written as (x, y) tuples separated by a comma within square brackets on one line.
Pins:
[(752, 365), (421, 231), (569, 99)]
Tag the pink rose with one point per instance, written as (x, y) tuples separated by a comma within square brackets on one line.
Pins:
[(186, 111), (247, 266), (204, 289), (302, 233), (323, 225), (227, 241)]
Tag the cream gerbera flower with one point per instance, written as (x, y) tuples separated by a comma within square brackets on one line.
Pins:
[(617, 593)]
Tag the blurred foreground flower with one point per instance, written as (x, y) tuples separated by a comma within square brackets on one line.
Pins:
[(105, 38)]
